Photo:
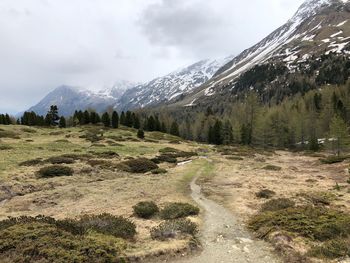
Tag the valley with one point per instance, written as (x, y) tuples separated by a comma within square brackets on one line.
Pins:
[(241, 179)]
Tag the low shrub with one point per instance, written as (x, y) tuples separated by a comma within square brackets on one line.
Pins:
[(140, 165), (28, 130), (316, 223), (44, 239), (102, 164), (173, 228), (168, 150), (178, 210), (164, 158), (32, 162), (4, 147), (333, 159), (272, 168), (55, 170), (234, 158), (107, 154), (9, 134), (60, 160), (277, 204), (265, 193), (159, 171), (145, 209), (336, 248)]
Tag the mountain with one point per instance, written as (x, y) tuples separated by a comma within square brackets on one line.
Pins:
[(68, 98), (124, 95), (318, 32), (170, 86)]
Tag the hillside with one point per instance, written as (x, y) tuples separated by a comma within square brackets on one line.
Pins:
[(318, 28)]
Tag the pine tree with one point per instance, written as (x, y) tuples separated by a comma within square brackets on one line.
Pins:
[(217, 133), (174, 129), (151, 126), (140, 134), (137, 124), (86, 118), (106, 120), (157, 124), (62, 122), (163, 128), (115, 120), (227, 133), (7, 119), (128, 119)]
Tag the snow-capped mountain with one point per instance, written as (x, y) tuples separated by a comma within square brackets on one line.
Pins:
[(68, 99), (170, 86), (318, 27)]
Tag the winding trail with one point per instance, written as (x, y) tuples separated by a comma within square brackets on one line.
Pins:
[(224, 239)]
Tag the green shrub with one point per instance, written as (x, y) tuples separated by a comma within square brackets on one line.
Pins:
[(55, 170), (140, 165), (168, 150), (265, 193), (277, 204), (4, 147), (44, 239), (107, 154), (60, 160), (316, 223), (178, 210), (32, 162), (164, 158), (9, 134), (145, 209), (333, 159), (108, 224), (235, 158), (336, 248), (172, 228), (159, 171), (103, 164), (272, 168), (28, 130)]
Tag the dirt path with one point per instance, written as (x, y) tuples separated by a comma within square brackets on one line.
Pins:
[(224, 239)]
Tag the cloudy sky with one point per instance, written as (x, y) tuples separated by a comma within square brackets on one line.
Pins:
[(93, 43)]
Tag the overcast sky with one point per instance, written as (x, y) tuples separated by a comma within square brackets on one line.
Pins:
[(93, 43)]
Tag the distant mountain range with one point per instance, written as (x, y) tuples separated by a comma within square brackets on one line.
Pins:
[(126, 95)]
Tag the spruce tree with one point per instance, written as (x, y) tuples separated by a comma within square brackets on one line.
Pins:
[(163, 128), (137, 124), (128, 119), (174, 129), (106, 120), (62, 122), (140, 134), (151, 124), (115, 120), (52, 117), (339, 134), (217, 133), (86, 118), (122, 118), (7, 119)]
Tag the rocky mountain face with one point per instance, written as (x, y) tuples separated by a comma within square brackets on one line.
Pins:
[(319, 28), (171, 86), (125, 95), (68, 99)]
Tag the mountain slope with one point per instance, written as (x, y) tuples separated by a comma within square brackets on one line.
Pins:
[(68, 99), (319, 27), (170, 86)]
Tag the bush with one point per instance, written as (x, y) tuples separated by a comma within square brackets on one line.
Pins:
[(60, 160), (32, 162), (168, 150), (159, 171), (44, 239), (103, 164), (333, 159), (55, 170), (272, 168), (108, 224), (145, 209), (9, 134), (277, 204), (336, 248), (140, 165), (164, 158), (265, 193), (4, 147), (178, 210), (140, 134), (316, 223), (107, 154), (172, 228)]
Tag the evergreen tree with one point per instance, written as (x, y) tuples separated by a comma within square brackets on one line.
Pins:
[(106, 120), (62, 122), (52, 117), (339, 134), (157, 124), (128, 119), (227, 133), (137, 124), (122, 118), (174, 129), (86, 118), (151, 125), (217, 133), (7, 119), (115, 120), (163, 128), (140, 134)]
